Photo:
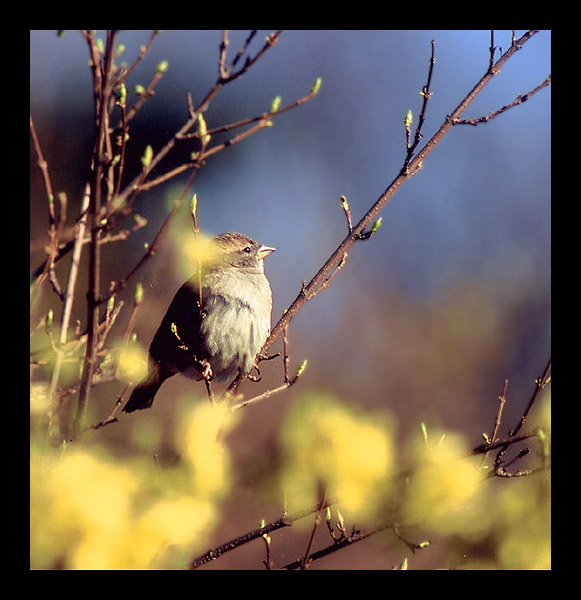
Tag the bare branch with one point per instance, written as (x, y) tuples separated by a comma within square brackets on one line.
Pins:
[(540, 384), (285, 521), (518, 100), (412, 168)]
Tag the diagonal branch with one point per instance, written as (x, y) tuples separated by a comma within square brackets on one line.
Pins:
[(285, 521), (518, 100), (413, 167)]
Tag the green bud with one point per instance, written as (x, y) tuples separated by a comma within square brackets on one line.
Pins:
[(139, 89), (302, 367), (202, 129), (63, 201), (162, 67), (344, 204), (138, 297), (424, 432), (340, 521), (404, 565), (121, 138), (120, 48), (194, 204), (100, 45), (408, 119), (49, 318), (424, 544), (275, 104), (544, 442), (147, 156), (122, 95), (328, 514), (376, 225), (316, 86)]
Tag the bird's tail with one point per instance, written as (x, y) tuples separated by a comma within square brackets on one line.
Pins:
[(144, 393)]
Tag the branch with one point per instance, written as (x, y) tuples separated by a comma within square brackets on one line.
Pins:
[(309, 290), (125, 200), (540, 384), (519, 100), (306, 559), (103, 90), (284, 521), (55, 227), (336, 546), (500, 467), (69, 294), (227, 75), (425, 93)]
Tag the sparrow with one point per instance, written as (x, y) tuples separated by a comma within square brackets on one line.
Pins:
[(217, 322)]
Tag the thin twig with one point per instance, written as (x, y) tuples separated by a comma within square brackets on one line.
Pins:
[(243, 48), (518, 100), (484, 448), (318, 518), (285, 521), (142, 53), (425, 93), (43, 165), (265, 394), (336, 546), (70, 292), (492, 51), (286, 358), (492, 438), (154, 246), (540, 384), (54, 230), (226, 77)]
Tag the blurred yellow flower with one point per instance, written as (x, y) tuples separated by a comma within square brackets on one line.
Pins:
[(133, 363), (445, 490), (202, 440), (89, 512), (178, 522), (80, 508), (350, 454), (522, 512)]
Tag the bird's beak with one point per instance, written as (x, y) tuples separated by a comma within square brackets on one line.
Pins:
[(264, 251)]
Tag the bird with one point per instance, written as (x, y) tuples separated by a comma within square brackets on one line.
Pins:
[(217, 322)]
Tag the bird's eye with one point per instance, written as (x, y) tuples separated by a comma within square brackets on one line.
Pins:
[(248, 249)]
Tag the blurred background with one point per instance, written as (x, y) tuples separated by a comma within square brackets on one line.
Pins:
[(431, 315)]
